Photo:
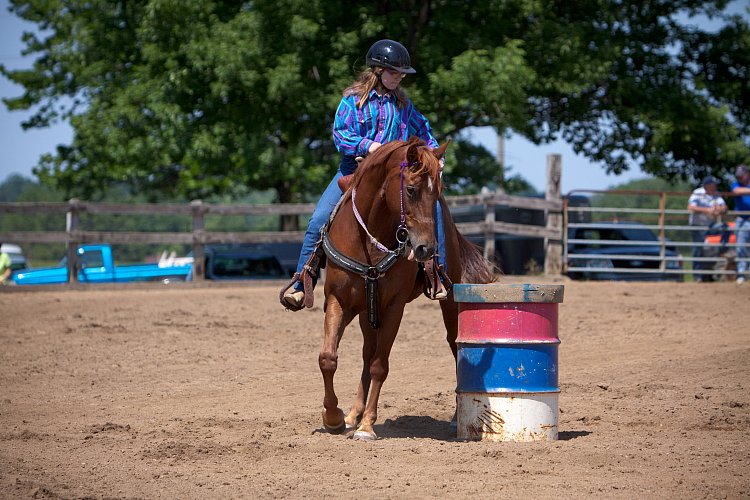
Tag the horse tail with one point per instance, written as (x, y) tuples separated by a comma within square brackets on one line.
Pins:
[(474, 267)]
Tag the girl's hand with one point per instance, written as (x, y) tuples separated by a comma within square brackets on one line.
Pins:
[(373, 147)]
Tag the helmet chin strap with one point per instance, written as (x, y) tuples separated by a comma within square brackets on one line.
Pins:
[(379, 75)]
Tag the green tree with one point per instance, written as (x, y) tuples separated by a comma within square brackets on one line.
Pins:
[(472, 167), (19, 189), (193, 99), (13, 187)]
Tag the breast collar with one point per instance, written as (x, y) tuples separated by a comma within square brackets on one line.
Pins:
[(370, 273)]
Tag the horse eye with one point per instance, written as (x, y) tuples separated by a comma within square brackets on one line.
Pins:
[(411, 191)]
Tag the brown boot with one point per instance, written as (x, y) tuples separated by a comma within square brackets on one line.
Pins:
[(441, 293), (437, 282), (293, 299)]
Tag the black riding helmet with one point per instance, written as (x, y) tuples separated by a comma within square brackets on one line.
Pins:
[(390, 54)]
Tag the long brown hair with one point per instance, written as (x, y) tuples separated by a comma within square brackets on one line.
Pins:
[(368, 80)]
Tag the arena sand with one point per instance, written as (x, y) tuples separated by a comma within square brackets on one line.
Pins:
[(214, 392)]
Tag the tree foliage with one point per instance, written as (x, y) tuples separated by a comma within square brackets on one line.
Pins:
[(473, 168), (195, 99)]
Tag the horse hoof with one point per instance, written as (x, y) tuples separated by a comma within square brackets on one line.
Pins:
[(364, 436), (336, 428), (352, 422)]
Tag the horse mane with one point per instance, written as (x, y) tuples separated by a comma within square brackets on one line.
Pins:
[(426, 162)]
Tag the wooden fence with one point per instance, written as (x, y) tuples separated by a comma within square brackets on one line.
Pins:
[(73, 236)]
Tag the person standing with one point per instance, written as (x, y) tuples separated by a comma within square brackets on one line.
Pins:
[(741, 190), (705, 206), (5, 269), (373, 111)]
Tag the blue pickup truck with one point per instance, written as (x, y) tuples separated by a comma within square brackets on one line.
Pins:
[(96, 264)]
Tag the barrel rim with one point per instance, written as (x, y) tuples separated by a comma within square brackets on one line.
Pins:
[(505, 341), (508, 392), (503, 292)]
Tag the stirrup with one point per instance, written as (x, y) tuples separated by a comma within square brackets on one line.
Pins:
[(285, 295), (437, 284), (307, 279), (294, 299), (441, 293)]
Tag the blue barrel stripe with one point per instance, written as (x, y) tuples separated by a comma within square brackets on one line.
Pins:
[(507, 368)]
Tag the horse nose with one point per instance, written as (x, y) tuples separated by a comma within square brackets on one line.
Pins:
[(423, 252)]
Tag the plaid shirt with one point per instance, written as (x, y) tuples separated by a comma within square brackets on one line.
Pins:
[(379, 120), (700, 198)]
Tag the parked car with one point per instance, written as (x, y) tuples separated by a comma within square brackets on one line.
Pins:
[(617, 251), (287, 253), (17, 258), (241, 262)]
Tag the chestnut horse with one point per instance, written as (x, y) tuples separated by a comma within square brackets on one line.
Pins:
[(383, 228)]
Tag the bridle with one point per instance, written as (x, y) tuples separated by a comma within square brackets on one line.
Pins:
[(402, 232), (371, 273)]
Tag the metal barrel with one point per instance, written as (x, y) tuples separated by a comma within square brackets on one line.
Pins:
[(507, 373)]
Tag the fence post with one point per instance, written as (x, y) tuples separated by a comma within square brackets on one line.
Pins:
[(565, 236), (489, 228), (71, 247), (662, 234), (553, 246), (199, 257)]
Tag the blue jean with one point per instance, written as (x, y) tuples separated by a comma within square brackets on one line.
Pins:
[(320, 216), (743, 238), (440, 233), (322, 213), (698, 238)]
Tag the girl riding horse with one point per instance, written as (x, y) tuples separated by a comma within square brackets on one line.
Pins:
[(373, 111)]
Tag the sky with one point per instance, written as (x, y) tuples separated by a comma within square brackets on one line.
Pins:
[(20, 150)]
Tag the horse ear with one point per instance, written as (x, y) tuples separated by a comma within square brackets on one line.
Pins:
[(412, 153), (439, 152)]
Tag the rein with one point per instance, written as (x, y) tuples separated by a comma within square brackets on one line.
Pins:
[(372, 274)]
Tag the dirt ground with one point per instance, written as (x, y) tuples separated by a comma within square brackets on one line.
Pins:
[(214, 392)]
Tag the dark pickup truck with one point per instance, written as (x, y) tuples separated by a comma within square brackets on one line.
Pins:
[(628, 251), (241, 262)]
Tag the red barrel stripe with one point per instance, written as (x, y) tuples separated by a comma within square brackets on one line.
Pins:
[(507, 322)]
